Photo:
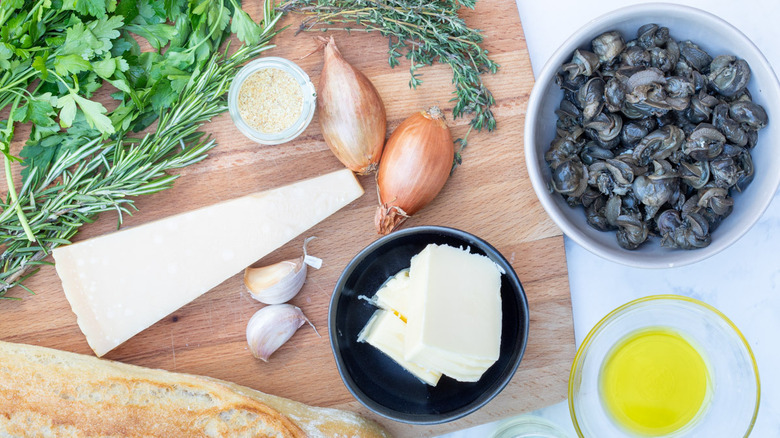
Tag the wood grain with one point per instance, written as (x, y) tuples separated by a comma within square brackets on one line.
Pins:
[(490, 195)]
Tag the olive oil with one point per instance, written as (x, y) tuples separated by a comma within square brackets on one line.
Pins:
[(654, 382)]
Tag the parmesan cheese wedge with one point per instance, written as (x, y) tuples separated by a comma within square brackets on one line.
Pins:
[(121, 283)]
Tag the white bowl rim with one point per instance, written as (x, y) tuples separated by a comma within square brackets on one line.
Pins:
[(550, 68)]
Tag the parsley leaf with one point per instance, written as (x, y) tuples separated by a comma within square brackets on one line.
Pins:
[(245, 29), (54, 41), (164, 95), (181, 59), (127, 9), (122, 83), (105, 30), (89, 84), (67, 64), (158, 35), (15, 27), (178, 78), (13, 4), (91, 39), (123, 116), (151, 12), (68, 110), (95, 8), (6, 52), (183, 31), (39, 63), (105, 67), (219, 16), (94, 112), (125, 44), (175, 9), (37, 110), (37, 155), (144, 120), (200, 8), (122, 64), (80, 41), (40, 131)]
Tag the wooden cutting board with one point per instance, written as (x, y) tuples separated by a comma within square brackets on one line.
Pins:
[(490, 195)]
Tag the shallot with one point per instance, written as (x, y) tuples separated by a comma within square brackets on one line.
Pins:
[(415, 164), (351, 113)]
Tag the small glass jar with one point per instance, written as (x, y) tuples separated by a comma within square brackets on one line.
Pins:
[(308, 94), (529, 426)]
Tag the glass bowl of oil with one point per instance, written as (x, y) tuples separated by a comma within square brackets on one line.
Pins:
[(664, 365)]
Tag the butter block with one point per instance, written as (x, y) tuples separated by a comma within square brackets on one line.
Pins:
[(454, 312), (385, 331), (394, 294), (121, 283)]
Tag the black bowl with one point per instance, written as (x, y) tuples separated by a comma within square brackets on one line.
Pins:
[(379, 382)]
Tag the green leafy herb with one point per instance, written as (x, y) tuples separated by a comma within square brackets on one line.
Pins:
[(158, 34), (243, 26)]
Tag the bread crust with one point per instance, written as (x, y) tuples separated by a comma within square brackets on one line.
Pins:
[(46, 392)]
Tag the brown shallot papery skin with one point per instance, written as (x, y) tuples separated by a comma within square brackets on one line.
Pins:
[(416, 163), (351, 113)]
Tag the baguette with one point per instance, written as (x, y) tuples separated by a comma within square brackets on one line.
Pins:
[(52, 393)]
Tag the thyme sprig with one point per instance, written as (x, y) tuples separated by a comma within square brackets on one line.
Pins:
[(424, 33)]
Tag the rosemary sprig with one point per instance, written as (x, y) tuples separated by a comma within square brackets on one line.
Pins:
[(423, 32), (103, 176)]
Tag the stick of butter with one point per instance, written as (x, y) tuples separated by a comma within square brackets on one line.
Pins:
[(454, 313), (442, 316), (121, 283), (386, 331)]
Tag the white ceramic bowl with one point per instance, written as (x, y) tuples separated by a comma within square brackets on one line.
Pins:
[(717, 37)]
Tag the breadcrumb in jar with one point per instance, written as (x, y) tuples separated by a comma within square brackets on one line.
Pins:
[(270, 100)]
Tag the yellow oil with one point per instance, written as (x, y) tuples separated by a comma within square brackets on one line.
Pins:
[(653, 382)]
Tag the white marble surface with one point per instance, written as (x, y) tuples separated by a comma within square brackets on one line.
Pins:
[(743, 281)]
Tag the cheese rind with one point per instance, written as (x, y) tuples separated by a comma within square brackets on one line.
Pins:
[(454, 313), (121, 283)]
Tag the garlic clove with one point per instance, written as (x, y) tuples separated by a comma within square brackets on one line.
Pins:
[(280, 282), (277, 283), (272, 326)]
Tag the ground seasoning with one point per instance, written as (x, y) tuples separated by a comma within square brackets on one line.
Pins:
[(270, 100)]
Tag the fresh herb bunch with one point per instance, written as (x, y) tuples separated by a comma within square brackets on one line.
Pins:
[(423, 32), (71, 48), (82, 159)]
